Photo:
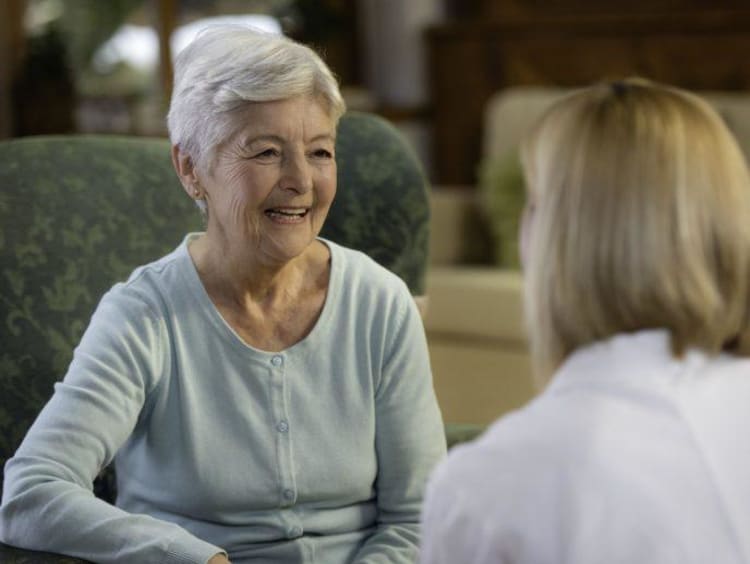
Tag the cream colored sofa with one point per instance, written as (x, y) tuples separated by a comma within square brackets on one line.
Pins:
[(474, 320)]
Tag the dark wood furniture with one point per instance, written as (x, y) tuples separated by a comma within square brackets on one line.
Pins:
[(696, 45)]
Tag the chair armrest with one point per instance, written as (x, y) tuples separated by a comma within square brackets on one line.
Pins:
[(11, 555)]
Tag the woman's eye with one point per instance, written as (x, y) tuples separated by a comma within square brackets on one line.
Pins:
[(322, 154), (267, 154)]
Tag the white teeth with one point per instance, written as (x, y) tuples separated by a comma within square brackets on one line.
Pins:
[(288, 211)]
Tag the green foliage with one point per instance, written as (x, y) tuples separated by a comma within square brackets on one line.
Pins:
[(502, 192), (316, 20)]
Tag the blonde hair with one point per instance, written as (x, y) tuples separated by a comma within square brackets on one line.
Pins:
[(640, 199)]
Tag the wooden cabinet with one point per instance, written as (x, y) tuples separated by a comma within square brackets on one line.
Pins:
[(543, 43)]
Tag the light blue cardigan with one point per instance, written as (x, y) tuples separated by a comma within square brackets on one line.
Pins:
[(319, 453)]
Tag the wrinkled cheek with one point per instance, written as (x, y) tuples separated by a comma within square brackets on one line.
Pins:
[(323, 201), (243, 221), (238, 211), (317, 218)]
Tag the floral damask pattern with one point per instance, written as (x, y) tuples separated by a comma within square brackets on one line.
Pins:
[(76, 217)]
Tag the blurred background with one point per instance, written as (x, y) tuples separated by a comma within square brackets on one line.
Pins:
[(104, 66), (428, 65)]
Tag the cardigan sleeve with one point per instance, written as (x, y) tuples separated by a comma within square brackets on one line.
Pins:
[(409, 441), (47, 501)]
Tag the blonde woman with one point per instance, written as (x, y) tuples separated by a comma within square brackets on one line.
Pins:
[(636, 245)]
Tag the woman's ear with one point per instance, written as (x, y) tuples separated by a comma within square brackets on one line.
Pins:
[(186, 172)]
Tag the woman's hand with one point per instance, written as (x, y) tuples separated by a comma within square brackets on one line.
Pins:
[(219, 559)]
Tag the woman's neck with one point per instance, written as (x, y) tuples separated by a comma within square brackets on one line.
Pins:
[(242, 281)]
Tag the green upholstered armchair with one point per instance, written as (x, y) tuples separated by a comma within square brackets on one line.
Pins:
[(78, 213)]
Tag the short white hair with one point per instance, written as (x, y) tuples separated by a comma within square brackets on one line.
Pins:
[(229, 66)]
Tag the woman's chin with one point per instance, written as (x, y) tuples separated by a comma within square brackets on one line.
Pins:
[(288, 247)]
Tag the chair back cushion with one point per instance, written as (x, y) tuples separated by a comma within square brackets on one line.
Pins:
[(77, 214), (382, 202)]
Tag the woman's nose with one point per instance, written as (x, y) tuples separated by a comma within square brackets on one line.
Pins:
[(297, 175)]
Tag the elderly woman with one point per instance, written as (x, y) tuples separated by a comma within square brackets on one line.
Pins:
[(637, 272), (265, 394)]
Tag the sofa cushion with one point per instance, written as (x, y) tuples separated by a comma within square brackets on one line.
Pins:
[(480, 360), (475, 302)]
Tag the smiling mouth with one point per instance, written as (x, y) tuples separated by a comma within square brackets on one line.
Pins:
[(287, 215)]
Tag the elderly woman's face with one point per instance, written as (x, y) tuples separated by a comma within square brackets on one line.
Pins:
[(273, 182)]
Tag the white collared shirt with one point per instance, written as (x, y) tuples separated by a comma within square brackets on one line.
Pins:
[(629, 456)]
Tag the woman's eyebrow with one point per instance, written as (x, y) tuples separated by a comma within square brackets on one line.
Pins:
[(247, 141), (278, 139), (323, 137)]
